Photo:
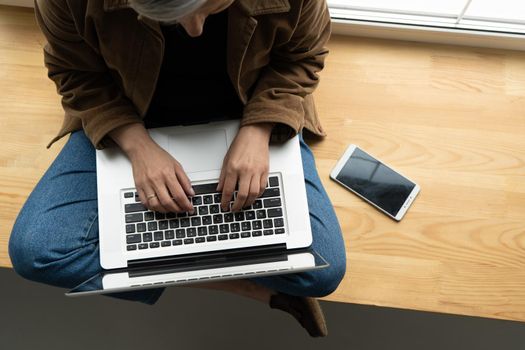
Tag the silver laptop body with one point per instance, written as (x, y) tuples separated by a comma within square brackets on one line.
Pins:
[(200, 149)]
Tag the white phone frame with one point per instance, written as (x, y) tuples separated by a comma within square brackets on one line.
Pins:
[(342, 161)]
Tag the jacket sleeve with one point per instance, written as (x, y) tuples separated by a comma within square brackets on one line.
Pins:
[(82, 78), (291, 74)]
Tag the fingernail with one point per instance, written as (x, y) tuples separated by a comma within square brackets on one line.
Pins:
[(192, 192)]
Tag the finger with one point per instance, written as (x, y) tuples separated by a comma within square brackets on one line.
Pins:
[(262, 183), (146, 192), (227, 192), (163, 197), (142, 196), (184, 181), (242, 193), (253, 192), (221, 181), (178, 195)]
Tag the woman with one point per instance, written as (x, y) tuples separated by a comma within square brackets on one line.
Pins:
[(122, 67)]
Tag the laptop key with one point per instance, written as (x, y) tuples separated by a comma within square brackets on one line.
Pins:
[(245, 234), (202, 231), (147, 237), (191, 232), (160, 216), (148, 216), (274, 181), (217, 219), (180, 233), (171, 215), (143, 246), (165, 243), (228, 217), (177, 242), (217, 198), (271, 192), (256, 225), (184, 222), (131, 239), (158, 235), (141, 227), (250, 215), (272, 202), (279, 222), (239, 216), (128, 195), (261, 214), (208, 199), (257, 204), (152, 226), (206, 220), (200, 240), (234, 235), (174, 223), (196, 221), (268, 232), (211, 238), (214, 209), (235, 227), (246, 226), (188, 241), (131, 247), (130, 228), (274, 212), (223, 237), (169, 234), (203, 210), (163, 225), (213, 229), (134, 207), (279, 231), (267, 223), (137, 217), (224, 228), (256, 233), (154, 245), (197, 200)]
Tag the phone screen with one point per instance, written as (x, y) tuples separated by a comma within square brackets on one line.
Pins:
[(375, 181)]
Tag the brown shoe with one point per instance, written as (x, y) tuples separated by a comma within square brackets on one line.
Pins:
[(306, 310)]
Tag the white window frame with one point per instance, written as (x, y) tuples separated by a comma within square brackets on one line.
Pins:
[(434, 29)]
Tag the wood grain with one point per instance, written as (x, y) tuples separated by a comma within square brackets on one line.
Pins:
[(451, 118)]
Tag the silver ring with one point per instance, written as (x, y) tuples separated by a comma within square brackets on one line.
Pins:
[(152, 196)]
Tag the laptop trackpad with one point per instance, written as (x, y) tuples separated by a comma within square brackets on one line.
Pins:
[(201, 150)]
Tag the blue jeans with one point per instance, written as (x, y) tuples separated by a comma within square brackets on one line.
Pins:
[(55, 236)]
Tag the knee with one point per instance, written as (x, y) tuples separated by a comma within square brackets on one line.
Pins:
[(321, 283), (20, 252)]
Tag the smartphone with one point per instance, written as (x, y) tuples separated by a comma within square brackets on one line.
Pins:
[(375, 182)]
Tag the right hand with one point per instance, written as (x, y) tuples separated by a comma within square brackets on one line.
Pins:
[(156, 172)]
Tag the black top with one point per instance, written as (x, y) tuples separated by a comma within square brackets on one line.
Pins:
[(193, 85)]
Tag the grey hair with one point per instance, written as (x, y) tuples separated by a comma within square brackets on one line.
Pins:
[(168, 11)]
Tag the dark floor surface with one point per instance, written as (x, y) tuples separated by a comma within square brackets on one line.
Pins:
[(34, 316)]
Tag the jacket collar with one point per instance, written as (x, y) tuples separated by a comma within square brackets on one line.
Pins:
[(250, 7)]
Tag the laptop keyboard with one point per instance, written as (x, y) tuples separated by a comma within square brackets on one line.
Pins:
[(209, 224)]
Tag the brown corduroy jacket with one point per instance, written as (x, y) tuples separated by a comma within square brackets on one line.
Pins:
[(105, 61)]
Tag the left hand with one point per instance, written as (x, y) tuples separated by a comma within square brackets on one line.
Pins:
[(246, 163)]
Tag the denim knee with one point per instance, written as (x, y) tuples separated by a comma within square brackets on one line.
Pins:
[(20, 252), (320, 283)]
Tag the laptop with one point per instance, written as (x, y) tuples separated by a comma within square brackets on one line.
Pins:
[(142, 249)]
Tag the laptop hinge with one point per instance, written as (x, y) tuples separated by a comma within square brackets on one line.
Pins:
[(233, 254)]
